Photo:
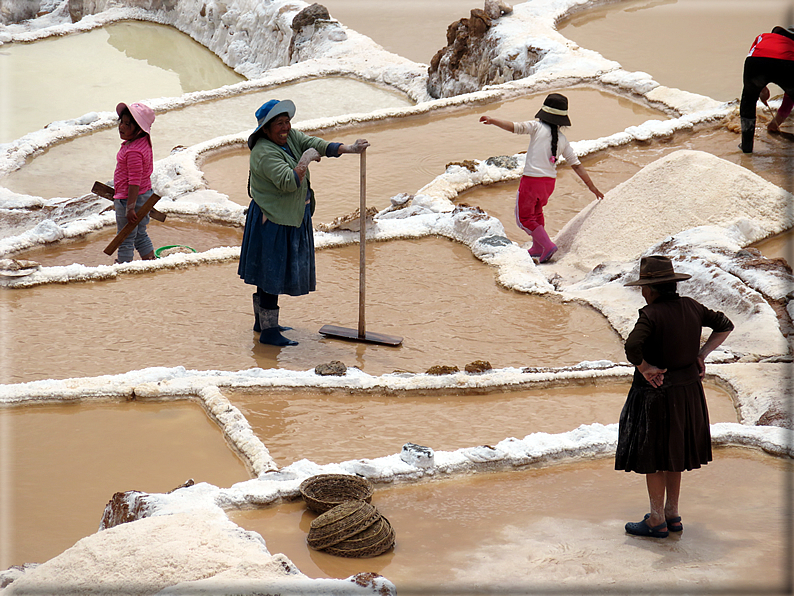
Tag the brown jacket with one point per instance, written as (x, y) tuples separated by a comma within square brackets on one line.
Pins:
[(667, 335)]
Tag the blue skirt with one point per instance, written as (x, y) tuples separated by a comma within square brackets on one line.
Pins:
[(279, 259)]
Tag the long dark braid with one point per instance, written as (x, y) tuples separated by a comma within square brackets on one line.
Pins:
[(554, 137)]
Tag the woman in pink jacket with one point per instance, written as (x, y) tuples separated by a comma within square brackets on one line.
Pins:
[(132, 180)]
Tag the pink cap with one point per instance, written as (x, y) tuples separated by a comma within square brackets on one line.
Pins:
[(143, 114)]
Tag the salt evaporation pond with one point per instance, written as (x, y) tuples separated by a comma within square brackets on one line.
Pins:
[(308, 424), (779, 247), (63, 462), (481, 527), (87, 250), (610, 168), (129, 61), (409, 152), (530, 532), (187, 126), (710, 37), (48, 446), (201, 318), (426, 21)]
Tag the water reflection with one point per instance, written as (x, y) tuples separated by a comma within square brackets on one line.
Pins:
[(60, 63), (166, 48)]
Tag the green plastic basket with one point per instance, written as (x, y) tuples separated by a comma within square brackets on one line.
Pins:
[(162, 249)]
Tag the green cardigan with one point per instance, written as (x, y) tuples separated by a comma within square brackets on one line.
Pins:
[(273, 184)]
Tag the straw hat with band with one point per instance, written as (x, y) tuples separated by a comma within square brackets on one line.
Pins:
[(266, 113), (141, 113), (657, 269), (554, 110)]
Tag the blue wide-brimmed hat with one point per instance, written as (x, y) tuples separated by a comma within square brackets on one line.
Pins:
[(267, 112)]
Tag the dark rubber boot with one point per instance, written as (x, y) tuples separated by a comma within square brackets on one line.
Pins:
[(257, 326), (257, 308), (748, 134), (271, 333)]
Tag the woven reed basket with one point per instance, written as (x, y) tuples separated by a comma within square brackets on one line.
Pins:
[(374, 541), (325, 491), (343, 521)]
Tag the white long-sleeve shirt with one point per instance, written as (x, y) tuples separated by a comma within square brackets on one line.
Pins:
[(539, 150)]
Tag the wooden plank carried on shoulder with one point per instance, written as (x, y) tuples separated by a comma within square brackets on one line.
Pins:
[(106, 192), (125, 231)]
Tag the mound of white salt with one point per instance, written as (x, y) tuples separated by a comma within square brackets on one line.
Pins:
[(148, 555), (680, 191)]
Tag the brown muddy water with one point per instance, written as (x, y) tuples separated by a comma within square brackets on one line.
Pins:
[(431, 291), (696, 45), (407, 153), (61, 463), (427, 23), (88, 250), (560, 528), (780, 246), (334, 427)]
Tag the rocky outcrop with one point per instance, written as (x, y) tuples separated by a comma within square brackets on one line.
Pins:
[(80, 8), (469, 60), (312, 25), (125, 507), (130, 506), (12, 11)]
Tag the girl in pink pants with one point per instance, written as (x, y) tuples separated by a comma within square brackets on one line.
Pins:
[(546, 144)]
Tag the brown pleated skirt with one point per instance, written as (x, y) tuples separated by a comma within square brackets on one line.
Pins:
[(663, 429)]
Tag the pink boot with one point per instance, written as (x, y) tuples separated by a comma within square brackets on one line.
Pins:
[(540, 237)]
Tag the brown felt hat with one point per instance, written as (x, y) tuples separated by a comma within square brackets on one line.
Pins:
[(657, 269)]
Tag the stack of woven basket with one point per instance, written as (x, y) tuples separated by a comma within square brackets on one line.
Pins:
[(348, 525)]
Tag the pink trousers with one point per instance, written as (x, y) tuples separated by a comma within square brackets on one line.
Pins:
[(533, 194)]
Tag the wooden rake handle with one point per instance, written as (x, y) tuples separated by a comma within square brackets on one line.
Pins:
[(362, 241)]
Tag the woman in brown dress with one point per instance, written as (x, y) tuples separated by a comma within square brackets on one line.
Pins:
[(664, 425)]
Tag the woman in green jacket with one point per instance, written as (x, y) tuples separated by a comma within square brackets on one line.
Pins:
[(277, 253)]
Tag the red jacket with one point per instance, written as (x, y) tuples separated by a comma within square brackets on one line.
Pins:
[(773, 45)]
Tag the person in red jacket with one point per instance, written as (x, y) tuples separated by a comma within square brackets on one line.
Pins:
[(771, 60)]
